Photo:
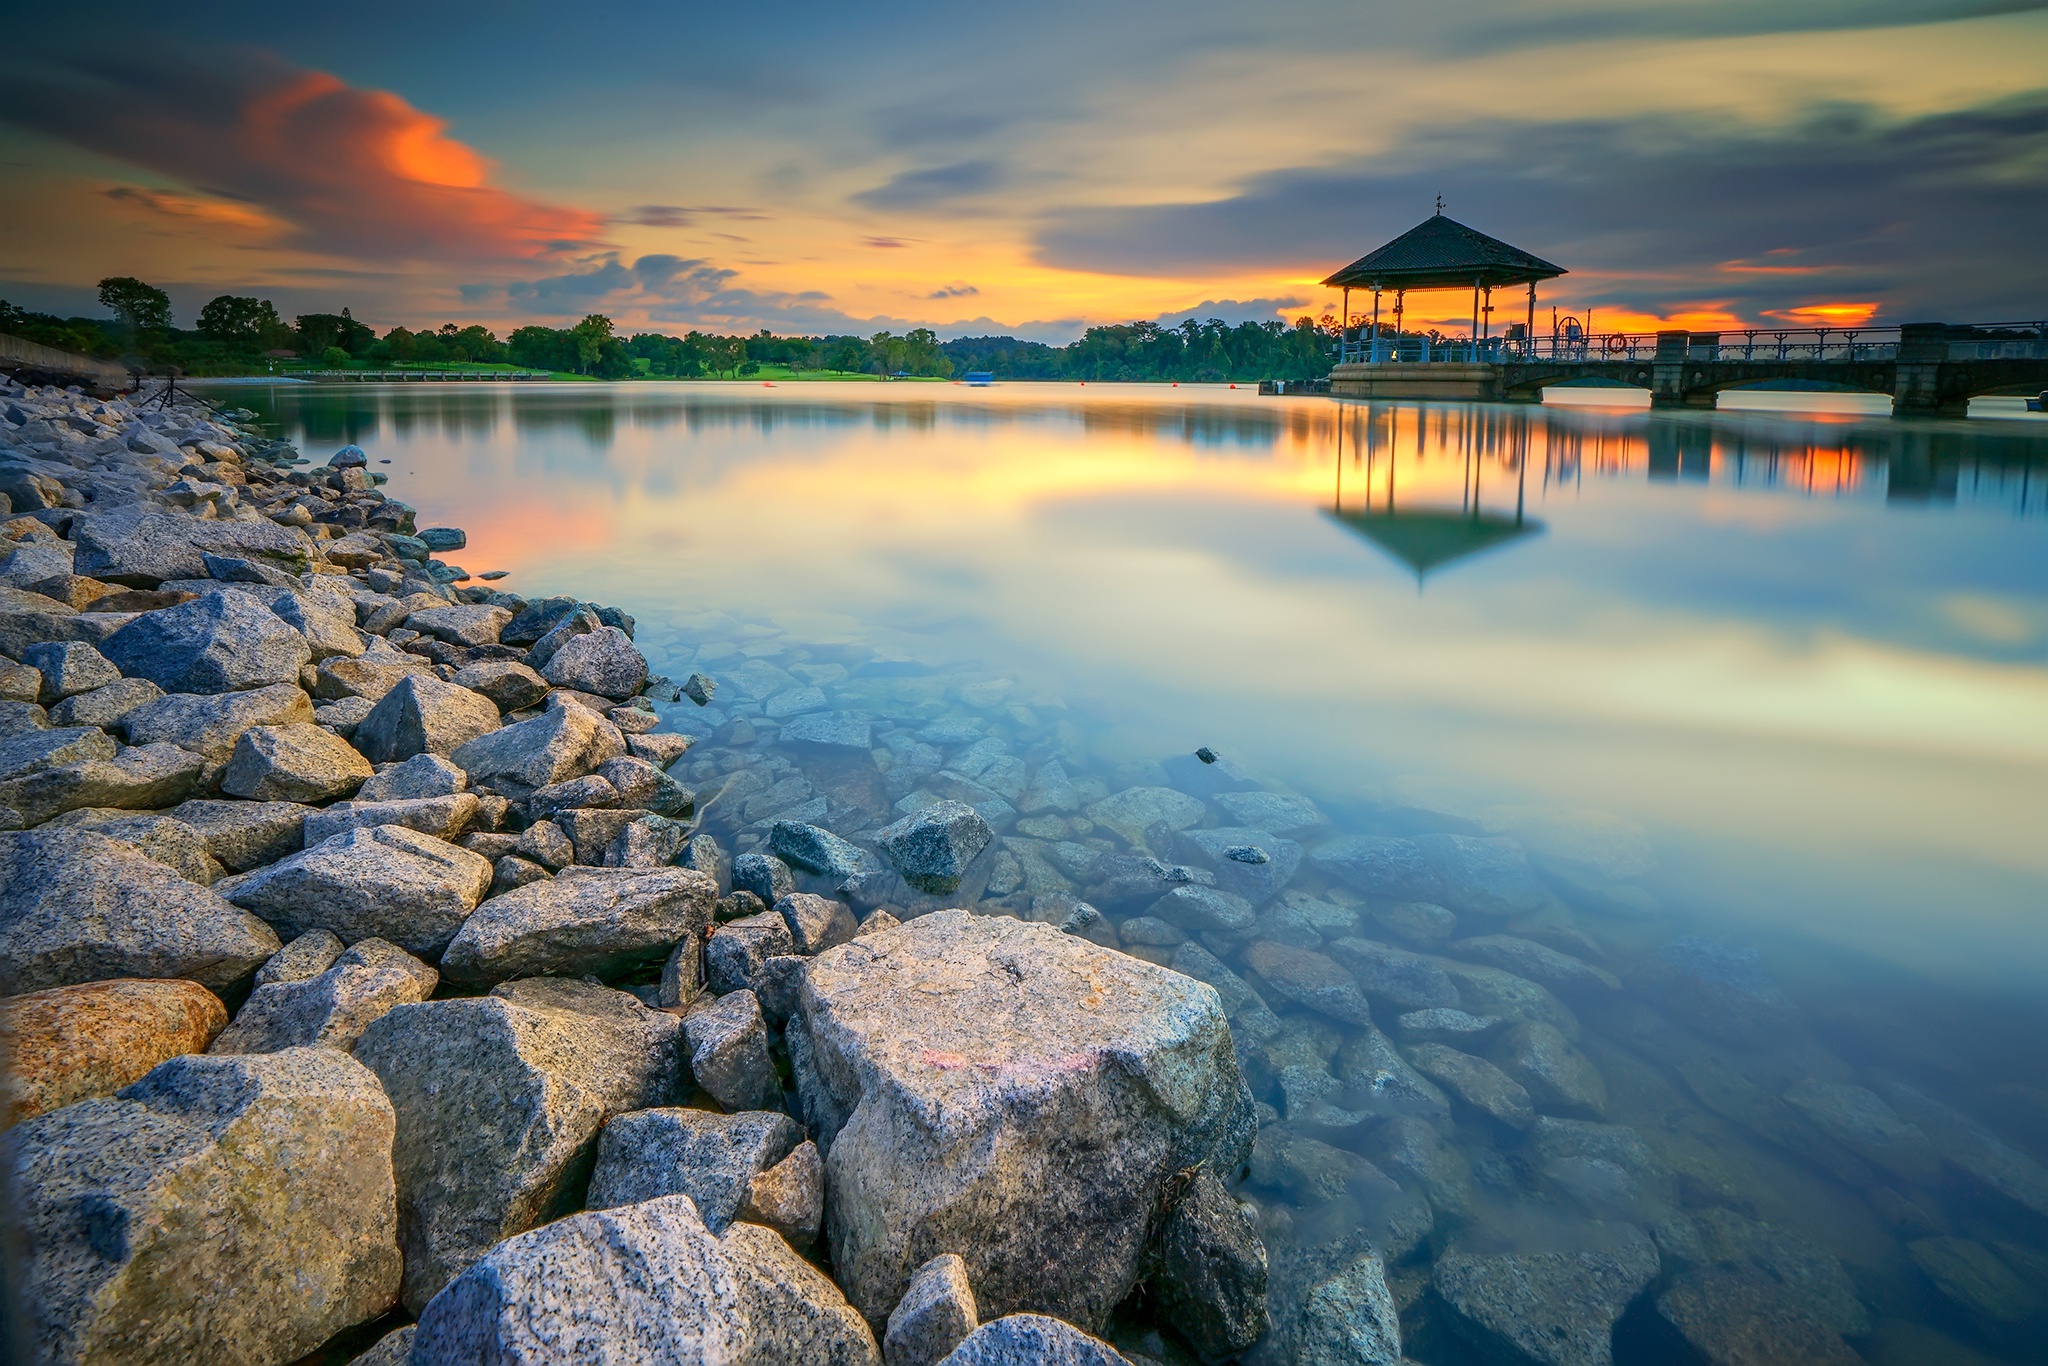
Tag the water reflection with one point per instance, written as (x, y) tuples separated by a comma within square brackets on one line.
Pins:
[(1764, 704)]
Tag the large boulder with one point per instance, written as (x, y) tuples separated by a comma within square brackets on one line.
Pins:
[(76, 907), (218, 642), (601, 921), (211, 726), (66, 1044), (423, 715), (461, 623), (140, 548), (932, 848), (643, 1283), (973, 1073), (602, 662), (245, 835), (711, 1158), (519, 759), (45, 773), (296, 763), (170, 842), (499, 1103), (332, 1008), (445, 818), (234, 1210), (383, 882)]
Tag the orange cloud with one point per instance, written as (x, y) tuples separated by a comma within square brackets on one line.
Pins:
[(345, 171), (218, 212), (1825, 315)]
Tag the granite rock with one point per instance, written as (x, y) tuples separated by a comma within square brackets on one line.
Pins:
[(382, 882), (333, 1008), (66, 1044), (603, 922), (711, 1158), (218, 642)]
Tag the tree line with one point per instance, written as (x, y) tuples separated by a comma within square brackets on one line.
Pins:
[(235, 334)]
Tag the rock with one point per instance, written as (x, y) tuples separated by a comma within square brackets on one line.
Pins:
[(1801, 1268), (18, 682), (830, 730), (1438, 1025), (325, 617), (899, 1031), (588, 793), (49, 772), (1719, 990), (16, 717), (445, 818), (68, 667), (1483, 876), (1971, 1275), (369, 677), (1415, 1154), (659, 750), (142, 548), (794, 702), (1134, 810), (76, 907), (1379, 866), (423, 775), (463, 624), (1211, 1277), (766, 876), (511, 872), (1555, 1308), (1350, 1319), (67, 1044), (932, 848), (234, 1210), (1738, 1318), (728, 1046), (1308, 979), (1018, 1339), (816, 923), (296, 763), (934, 1316), (212, 726), (702, 854), (579, 622), (1417, 922), (647, 841), (1559, 1078), (507, 682), (649, 1283), (790, 1197), (333, 1008), (603, 922), (218, 642), (1489, 991), (1966, 1146), (711, 1158), (816, 851), (643, 787), (439, 538), (1477, 1082), (1407, 981), (1861, 1122), (601, 661), (733, 956), (384, 882), (545, 844), (423, 715), (108, 707), (1204, 908), (1250, 863), (499, 1104), (305, 958), (1537, 963), (1279, 812), (700, 689), (536, 619), (521, 758), (244, 835), (170, 842), (592, 830)]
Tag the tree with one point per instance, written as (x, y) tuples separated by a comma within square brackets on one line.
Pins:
[(591, 334), (239, 321), (334, 358), (318, 331), (140, 307)]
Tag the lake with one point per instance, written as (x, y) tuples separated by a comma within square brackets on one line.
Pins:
[(1728, 729)]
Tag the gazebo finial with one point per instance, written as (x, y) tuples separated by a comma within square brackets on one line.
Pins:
[(1439, 205)]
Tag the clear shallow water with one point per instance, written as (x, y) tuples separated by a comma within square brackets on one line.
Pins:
[(1760, 681)]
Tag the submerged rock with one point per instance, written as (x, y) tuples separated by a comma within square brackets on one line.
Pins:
[(1553, 1308), (1739, 1318), (234, 1210), (1350, 1319), (1097, 1075)]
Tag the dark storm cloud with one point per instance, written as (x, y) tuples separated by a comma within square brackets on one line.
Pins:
[(1938, 216), (933, 185)]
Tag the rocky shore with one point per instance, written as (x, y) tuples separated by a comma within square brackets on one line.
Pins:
[(399, 971)]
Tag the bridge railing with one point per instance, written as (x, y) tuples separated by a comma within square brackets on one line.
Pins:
[(1845, 345)]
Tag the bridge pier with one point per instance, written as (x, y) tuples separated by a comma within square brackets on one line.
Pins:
[(1677, 376), (1917, 389)]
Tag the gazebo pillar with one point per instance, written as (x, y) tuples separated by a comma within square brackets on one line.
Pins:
[(1344, 329), (1375, 323), (1473, 349)]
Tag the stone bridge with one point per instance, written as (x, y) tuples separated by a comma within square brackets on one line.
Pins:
[(1933, 370)]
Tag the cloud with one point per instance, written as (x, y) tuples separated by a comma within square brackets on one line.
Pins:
[(1236, 311), (953, 292), (933, 185), (1936, 216), (341, 170), (674, 292), (681, 215), (219, 212)]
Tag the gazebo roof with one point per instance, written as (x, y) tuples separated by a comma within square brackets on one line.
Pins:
[(1442, 253), (1424, 539)]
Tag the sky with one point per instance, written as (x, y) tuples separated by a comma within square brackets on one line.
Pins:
[(1029, 170)]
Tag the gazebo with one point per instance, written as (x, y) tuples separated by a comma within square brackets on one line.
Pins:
[(1439, 253)]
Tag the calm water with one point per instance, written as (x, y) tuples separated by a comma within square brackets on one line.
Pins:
[(1770, 684)]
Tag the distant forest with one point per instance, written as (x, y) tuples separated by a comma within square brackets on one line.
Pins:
[(235, 335)]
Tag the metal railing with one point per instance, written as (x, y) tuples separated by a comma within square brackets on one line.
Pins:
[(410, 376), (1847, 345)]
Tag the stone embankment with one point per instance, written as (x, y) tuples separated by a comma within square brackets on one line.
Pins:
[(372, 988)]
